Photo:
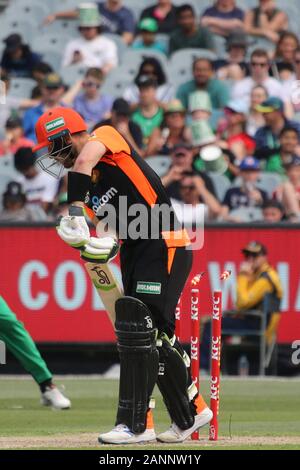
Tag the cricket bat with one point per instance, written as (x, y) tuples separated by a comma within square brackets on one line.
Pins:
[(106, 285)]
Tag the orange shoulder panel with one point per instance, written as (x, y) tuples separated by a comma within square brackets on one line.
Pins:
[(111, 138)]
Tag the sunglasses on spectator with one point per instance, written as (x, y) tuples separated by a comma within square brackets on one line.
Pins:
[(251, 255), (180, 155), (86, 28), (259, 64), (297, 61), (91, 84), (187, 187)]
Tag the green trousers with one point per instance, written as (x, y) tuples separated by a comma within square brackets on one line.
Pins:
[(21, 345)]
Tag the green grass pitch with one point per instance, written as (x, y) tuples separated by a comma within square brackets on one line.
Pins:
[(254, 414)]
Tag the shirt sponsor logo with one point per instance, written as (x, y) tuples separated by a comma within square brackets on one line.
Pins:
[(148, 288), (99, 202), (55, 124)]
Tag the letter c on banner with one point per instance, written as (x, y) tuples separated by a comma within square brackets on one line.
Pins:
[(25, 285)]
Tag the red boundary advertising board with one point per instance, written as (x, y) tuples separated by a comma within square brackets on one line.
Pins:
[(46, 285)]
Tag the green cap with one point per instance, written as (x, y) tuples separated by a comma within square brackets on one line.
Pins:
[(89, 16), (148, 24), (200, 101), (202, 133)]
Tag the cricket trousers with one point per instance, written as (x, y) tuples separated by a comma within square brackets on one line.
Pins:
[(156, 275), (21, 345)]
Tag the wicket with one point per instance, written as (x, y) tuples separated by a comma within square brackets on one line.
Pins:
[(195, 345)]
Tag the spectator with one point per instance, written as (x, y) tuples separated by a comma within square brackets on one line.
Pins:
[(287, 44), (90, 103), (17, 59), (172, 131), (120, 119), (115, 18), (188, 34), (267, 137), (259, 75), (147, 29), (291, 86), (203, 74), (40, 188), (255, 120), (266, 20), (91, 49), (273, 212), (234, 66), (11, 105), (148, 114), (152, 68), (255, 280), (289, 146), (293, 174), (15, 208), (246, 194), (164, 13), (196, 202), (52, 93), (39, 73), (14, 137), (182, 158), (223, 17), (232, 130)]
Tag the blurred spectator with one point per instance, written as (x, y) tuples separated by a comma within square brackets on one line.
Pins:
[(182, 161), (204, 80), (52, 93), (40, 188), (148, 114), (234, 66), (293, 173), (289, 146), (267, 137), (259, 69), (147, 29), (255, 119), (11, 105), (91, 49), (287, 44), (223, 17), (256, 279), (164, 13), (246, 194), (266, 20), (14, 137), (120, 120), (153, 69), (90, 103), (17, 59), (291, 85), (188, 34), (232, 130), (15, 208), (195, 201), (39, 73), (172, 131), (115, 18), (273, 212)]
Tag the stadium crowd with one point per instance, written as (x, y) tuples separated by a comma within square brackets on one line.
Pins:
[(211, 100)]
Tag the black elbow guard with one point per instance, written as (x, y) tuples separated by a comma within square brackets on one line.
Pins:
[(79, 185)]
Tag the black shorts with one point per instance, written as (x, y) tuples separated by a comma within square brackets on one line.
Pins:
[(146, 276)]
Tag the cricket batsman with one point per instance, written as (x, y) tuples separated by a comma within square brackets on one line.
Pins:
[(104, 170)]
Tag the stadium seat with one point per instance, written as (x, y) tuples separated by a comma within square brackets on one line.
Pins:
[(159, 163), (27, 29), (52, 57), (122, 47), (116, 82), (7, 164), (133, 58), (71, 74), (247, 214), (33, 10), (221, 184), (49, 40), (21, 87), (66, 27)]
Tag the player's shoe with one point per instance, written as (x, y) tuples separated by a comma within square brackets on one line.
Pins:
[(175, 434), (121, 434), (53, 397)]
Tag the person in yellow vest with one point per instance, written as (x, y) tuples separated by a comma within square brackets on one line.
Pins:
[(255, 280)]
